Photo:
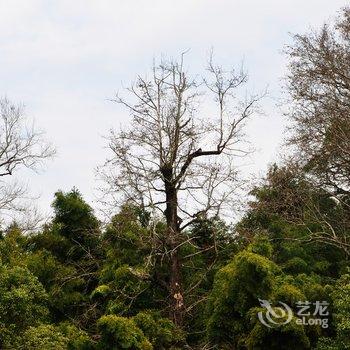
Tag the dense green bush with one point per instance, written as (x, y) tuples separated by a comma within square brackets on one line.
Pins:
[(121, 333), (23, 302)]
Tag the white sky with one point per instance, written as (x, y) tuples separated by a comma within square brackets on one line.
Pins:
[(65, 59)]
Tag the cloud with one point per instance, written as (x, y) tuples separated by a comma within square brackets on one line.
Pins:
[(65, 59)]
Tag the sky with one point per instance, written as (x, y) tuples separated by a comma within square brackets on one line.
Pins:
[(65, 60)]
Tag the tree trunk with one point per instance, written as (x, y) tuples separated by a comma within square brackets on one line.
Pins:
[(176, 292), (177, 306)]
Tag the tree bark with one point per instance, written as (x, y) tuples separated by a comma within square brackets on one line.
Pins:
[(177, 306)]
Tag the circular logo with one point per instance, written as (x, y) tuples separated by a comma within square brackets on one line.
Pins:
[(274, 316)]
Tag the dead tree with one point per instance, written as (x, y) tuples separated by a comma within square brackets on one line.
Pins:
[(21, 145), (173, 160)]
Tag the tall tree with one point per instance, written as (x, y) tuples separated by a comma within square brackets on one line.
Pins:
[(319, 87), (173, 160), (66, 257)]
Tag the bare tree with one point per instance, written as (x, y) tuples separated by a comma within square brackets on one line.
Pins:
[(21, 145), (173, 160)]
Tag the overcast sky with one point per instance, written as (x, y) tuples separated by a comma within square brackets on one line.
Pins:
[(65, 59)]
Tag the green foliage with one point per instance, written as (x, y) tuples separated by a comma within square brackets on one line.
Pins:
[(22, 302), (341, 304), (237, 288), (50, 337), (73, 216), (288, 210), (127, 239), (261, 246), (71, 287), (121, 333), (74, 233), (212, 245), (77, 338), (234, 303), (12, 244), (285, 337), (127, 277), (161, 332), (43, 337), (65, 257)]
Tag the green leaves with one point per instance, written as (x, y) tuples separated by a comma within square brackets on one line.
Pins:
[(121, 333), (65, 288), (147, 330), (234, 302), (23, 302)]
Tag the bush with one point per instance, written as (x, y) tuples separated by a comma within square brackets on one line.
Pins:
[(121, 333)]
